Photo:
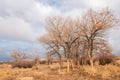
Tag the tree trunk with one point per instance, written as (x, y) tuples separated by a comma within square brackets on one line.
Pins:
[(68, 65), (78, 63), (61, 64), (90, 57), (90, 52), (72, 64), (68, 58), (91, 61)]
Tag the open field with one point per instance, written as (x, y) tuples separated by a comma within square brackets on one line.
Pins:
[(51, 72), (59, 40)]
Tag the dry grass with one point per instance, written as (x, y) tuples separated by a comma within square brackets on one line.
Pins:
[(45, 72), (107, 72)]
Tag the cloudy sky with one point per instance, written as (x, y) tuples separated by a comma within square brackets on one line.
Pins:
[(23, 21)]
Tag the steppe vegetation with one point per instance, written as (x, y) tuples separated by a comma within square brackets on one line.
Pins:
[(51, 72), (76, 49)]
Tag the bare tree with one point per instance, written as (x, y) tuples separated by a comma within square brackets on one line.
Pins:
[(18, 55), (74, 39), (19, 59), (53, 38), (62, 34), (94, 25)]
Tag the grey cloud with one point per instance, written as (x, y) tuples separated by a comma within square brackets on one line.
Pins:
[(20, 19), (114, 39), (28, 9), (15, 28)]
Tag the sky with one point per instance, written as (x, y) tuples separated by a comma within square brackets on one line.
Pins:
[(23, 21)]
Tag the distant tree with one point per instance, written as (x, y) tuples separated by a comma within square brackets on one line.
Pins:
[(17, 55)]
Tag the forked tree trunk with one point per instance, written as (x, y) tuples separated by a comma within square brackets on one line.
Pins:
[(90, 57), (90, 51)]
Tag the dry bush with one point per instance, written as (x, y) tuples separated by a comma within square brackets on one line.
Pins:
[(21, 59), (3, 73), (106, 72), (43, 61), (89, 70), (109, 72), (116, 60), (5, 65), (115, 70), (25, 78), (7, 78), (104, 58), (40, 77), (23, 64), (85, 72)]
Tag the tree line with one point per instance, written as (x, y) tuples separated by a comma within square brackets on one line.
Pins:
[(81, 38)]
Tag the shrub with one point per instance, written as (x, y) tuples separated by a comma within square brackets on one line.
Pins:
[(104, 58), (23, 64)]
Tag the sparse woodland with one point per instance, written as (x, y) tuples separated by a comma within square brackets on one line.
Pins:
[(76, 49), (81, 40)]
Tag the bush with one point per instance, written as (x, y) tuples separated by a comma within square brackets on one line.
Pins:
[(23, 64), (104, 58)]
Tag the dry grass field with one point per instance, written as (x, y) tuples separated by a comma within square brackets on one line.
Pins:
[(51, 72)]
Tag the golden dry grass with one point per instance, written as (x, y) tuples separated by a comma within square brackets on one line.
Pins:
[(51, 72)]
